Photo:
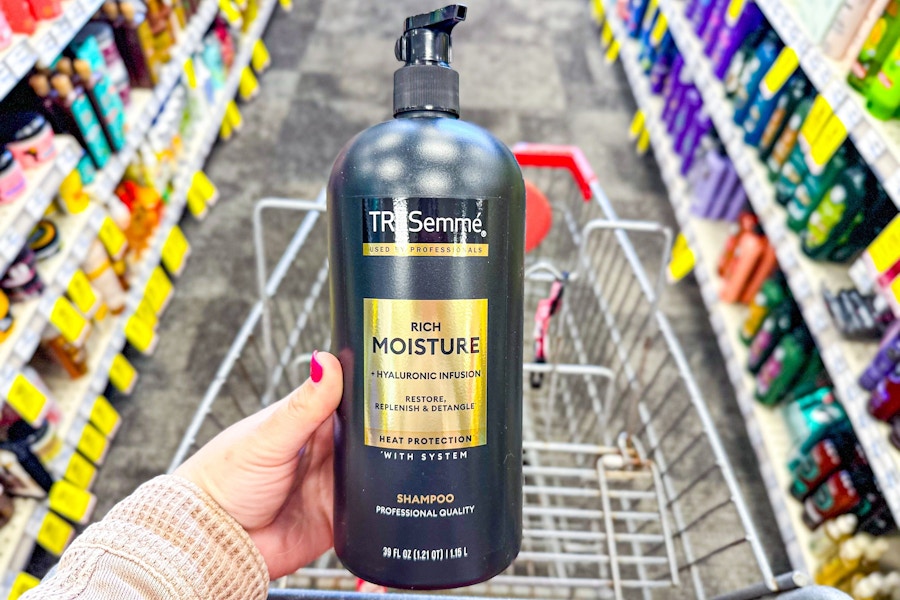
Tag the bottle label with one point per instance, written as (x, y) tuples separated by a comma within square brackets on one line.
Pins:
[(425, 227), (426, 367)]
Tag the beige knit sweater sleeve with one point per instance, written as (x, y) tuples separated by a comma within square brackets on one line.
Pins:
[(169, 539)]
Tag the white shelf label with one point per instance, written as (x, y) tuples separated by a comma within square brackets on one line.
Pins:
[(26, 344), (7, 79), (819, 321), (12, 243), (892, 185), (801, 287), (47, 48), (871, 145), (64, 29), (835, 93), (850, 114), (77, 12), (20, 59), (776, 234)]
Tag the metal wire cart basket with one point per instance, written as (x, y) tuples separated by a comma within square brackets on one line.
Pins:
[(628, 491)]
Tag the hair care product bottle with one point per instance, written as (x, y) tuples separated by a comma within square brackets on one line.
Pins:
[(381, 296), (771, 294), (732, 35), (699, 126), (849, 556), (836, 211), (773, 328), (700, 16), (12, 178), (844, 27), (72, 358), (45, 9), (686, 113), (751, 245), (875, 49), (96, 43), (881, 91), (825, 542), (106, 103), (812, 468), (787, 139), (855, 231), (82, 119), (753, 73), (884, 403), (724, 196), (18, 16), (815, 184), (29, 137), (764, 105), (835, 496), (706, 176), (662, 68), (98, 268), (671, 86), (636, 10), (798, 87), (884, 362), (716, 23), (732, 79), (784, 366), (135, 42)]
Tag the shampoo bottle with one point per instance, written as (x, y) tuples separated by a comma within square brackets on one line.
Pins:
[(787, 139), (733, 34), (753, 73), (844, 27), (797, 89), (411, 293), (881, 39), (106, 103)]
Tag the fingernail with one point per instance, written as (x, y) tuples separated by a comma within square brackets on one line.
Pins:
[(315, 368)]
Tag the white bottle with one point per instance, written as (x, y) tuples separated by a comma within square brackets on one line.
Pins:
[(844, 27), (825, 542)]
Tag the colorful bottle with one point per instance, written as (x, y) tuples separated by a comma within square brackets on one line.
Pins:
[(787, 139), (848, 558), (12, 178), (380, 293), (746, 50), (753, 73), (714, 25), (884, 403), (106, 103), (770, 126), (771, 294), (732, 35), (98, 268), (811, 469), (881, 39), (29, 138), (840, 493), (843, 204), (18, 16), (881, 92), (43, 10), (135, 42), (826, 541), (844, 27), (85, 125), (763, 106), (784, 366), (96, 43), (815, 184), (781, 321)]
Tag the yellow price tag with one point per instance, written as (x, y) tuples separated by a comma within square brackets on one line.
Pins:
[(613, 52), (145, 313), (93, 444), (606, 34), (734, 10), (80, 472), (140, 335), (69, 321), (113, 239), (637, 124), (202, 185), (81, 292), (828, 141), (189, 74), (259, 57), (159, 290), (885, 250), (197, 205), (175, 250), (248, 86), (26, 399), (819, 113), (233, 116), (122, 374), (70, 501), (659, 29), (598, 10), (682, 261), (21, 584), (231, 12), (225, 130), (643, 143), (105, 417), (55, 534), (286, 5), (783, 67)]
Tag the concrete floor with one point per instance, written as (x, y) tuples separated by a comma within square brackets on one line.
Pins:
[(529, 71)]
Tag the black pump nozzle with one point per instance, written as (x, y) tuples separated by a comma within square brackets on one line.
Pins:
[(427, 82)]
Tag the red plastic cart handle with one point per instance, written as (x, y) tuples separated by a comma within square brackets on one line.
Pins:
[(566, 157)]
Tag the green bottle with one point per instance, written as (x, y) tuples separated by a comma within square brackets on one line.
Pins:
[(813, 377), (841, 209), (780, 321), (875, 49), (792, 174), (883, 90), (770, 294), (875, 217), (783, 366), (810, 192)]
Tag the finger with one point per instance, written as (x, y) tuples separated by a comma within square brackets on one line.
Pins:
[(291, 421)]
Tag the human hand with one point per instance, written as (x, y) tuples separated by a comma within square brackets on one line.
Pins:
[(273, 472)]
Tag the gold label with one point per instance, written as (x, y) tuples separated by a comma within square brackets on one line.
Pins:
[(450, 250), (426, 370)]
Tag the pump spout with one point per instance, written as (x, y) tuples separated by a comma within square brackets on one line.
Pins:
[(426, 81)]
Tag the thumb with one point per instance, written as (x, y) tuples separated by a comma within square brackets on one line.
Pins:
[(287, 425)]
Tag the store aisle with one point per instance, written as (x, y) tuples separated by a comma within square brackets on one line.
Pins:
[(529, 71)]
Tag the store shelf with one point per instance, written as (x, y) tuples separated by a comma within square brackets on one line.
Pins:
[(844, 359), (878, 141), (18, 218), (706, 239), (45, 44)]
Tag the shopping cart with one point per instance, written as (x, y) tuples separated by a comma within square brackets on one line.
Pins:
[(628, 491)]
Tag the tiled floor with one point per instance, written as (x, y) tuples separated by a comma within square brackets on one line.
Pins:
[(530, 71)]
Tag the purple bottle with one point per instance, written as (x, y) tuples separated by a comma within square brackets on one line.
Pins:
[(732, 35), (883, 363), (691, 8), (716, 22), (685, 115), (730, 184), (662, 68), (699, 126), (706, 179), (700, 18), (736, 204), (670, 88)]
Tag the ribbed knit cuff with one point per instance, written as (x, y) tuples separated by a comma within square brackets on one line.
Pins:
[(185, 541)]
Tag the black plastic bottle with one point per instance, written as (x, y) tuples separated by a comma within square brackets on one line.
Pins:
[(426, 243)]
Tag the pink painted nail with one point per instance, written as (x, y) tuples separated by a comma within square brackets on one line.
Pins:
[(315, 368)]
